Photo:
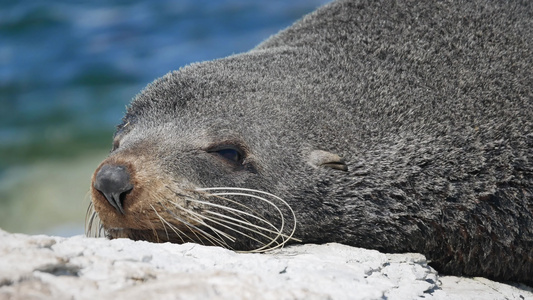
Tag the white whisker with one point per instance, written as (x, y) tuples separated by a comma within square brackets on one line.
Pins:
[(224, 220), (93, 224), (229, 209), (237, 222), (244, 192), (201, 219), (219, 233), (214, 240), (172, 227)]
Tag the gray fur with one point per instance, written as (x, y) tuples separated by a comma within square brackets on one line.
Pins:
[(430, 104)]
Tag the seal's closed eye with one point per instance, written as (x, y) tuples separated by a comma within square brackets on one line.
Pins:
[(229, 153)]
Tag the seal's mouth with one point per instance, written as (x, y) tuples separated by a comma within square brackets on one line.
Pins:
[(234, 218)]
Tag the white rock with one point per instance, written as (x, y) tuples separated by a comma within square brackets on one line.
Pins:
[(43, 267)]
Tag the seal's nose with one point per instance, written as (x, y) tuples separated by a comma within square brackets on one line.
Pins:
[(113, 181)]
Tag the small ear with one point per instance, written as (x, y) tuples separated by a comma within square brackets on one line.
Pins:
[(320, 158)]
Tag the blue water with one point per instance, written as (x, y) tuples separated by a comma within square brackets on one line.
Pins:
[(69, 68)]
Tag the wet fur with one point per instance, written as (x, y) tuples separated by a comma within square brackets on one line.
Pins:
[(429, 103)]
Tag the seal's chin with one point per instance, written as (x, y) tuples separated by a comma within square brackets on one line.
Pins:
[(154, 236), (164, 236)]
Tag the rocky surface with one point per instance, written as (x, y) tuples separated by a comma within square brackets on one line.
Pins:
[(44, 267)]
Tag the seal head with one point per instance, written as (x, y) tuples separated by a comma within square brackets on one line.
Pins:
[(401, 127)]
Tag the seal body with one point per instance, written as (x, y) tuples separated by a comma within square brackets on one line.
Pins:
[(396, 126)]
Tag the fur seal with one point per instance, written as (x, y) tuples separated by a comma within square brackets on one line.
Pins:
[(396, 126)]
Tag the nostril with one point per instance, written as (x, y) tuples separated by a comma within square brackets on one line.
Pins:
[(114, 182)]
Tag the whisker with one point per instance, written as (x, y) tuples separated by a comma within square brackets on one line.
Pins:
[(273, 240), (257, 197), (173, 227), (221, 235), (218, 241), (199, 218), (233, 201), (93, 225), (228, 219), (235, 211), (230, 228), (238, 214), (188, 198), (226, 191), (163, 223), (203, 217), (229, 209)]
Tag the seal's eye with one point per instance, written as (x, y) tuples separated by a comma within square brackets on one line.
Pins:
[(230, 154)]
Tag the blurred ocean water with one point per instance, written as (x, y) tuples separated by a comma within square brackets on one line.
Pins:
[(69, 68)]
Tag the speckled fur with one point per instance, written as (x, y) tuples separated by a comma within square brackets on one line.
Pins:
[(429, 102)]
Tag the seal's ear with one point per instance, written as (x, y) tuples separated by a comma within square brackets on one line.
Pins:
[(320, 158)]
